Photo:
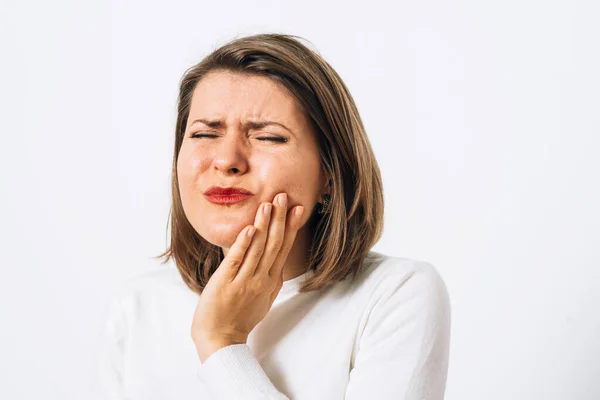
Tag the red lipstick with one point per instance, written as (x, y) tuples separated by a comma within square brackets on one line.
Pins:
[(227, 195)]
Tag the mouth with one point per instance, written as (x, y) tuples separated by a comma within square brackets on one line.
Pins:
[(225, 199)]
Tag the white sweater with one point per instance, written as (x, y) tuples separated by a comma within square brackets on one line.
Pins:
[(385, 336)]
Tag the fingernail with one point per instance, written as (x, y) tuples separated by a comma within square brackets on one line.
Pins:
[(267, 208), (281, 199), (299, 211)]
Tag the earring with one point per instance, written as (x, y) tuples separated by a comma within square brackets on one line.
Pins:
[(326, 204)]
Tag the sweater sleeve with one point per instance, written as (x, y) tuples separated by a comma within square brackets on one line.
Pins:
[(233, 372), (404, 348), (108, 380)]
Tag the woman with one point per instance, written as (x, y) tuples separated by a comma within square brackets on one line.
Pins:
[(277, 201)]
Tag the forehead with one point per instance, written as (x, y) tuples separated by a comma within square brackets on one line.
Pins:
[(229, 95)]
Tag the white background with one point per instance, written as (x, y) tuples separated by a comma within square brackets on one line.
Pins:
[(484, 117)]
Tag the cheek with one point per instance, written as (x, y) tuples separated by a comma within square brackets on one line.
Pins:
[(189, 166), (296, 175)]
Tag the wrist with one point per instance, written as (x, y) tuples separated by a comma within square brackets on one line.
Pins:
[(205, 348)]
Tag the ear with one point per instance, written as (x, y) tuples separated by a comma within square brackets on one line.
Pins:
[(326, 188)]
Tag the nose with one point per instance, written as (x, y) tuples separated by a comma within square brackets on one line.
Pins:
[(230, 155)]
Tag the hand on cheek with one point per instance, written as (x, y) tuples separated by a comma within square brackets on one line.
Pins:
[(242, 290)]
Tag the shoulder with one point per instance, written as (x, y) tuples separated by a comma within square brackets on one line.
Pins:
[(404, 281), (385, 271), (404, 328), (155, 288), (407, 299), (157, 277)]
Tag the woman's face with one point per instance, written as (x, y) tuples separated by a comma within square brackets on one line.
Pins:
[(235, 154)]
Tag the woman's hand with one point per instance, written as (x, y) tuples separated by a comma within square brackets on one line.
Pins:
[(242, 290)]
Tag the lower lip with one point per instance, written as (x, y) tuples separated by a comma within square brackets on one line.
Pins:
[(227, 199)]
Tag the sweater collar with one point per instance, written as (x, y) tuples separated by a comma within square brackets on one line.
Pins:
[(292, 285)]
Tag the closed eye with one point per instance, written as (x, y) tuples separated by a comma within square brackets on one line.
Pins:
[(199, 135), (264, 138), (274, 139)]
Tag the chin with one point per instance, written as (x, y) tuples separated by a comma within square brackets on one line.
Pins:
[(222, 236)]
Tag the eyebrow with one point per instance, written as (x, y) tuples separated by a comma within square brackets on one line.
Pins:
[(249, 124)]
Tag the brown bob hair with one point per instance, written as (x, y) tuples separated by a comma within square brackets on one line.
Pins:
[(342, 237)]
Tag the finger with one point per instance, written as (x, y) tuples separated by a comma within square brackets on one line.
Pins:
[(257, 247), (235, 256), (275, 236), (293, 224)]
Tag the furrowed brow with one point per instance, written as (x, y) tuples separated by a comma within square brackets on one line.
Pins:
[(209, 123), (262, 124), (248, 124)]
